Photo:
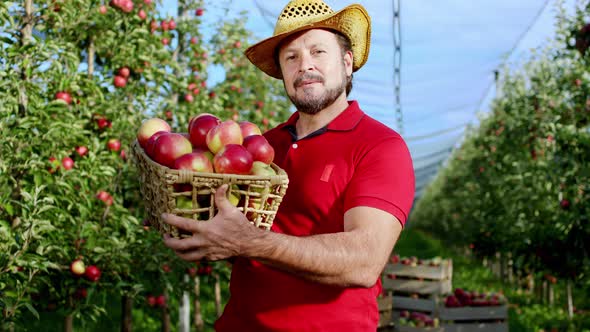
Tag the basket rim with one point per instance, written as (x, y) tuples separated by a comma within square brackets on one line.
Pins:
[(280, 177)]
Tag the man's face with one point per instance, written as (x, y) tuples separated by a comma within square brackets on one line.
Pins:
[(315, 70)]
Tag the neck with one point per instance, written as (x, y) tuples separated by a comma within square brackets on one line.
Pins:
[(308, 123)]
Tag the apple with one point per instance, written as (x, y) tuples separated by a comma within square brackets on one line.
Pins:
[(233, 159), (114, 144), (150, 127), (103, 9), (198, 128), (77, 267), (124, 72), (67, 163), (62, 95), (161, 300), (227, 132), (262, 169), (248, 128), (142, 14), (81, 293), (172, 24), (119, 81), (81, 150), (169, 147), (196, 161), (199, 12), (260, 149), (151, 300), (565, 204), (151, 143), (92, 273)]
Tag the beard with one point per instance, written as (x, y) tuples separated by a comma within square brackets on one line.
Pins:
[(309, 104)]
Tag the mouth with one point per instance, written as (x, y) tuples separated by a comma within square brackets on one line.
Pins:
[(307, 81)]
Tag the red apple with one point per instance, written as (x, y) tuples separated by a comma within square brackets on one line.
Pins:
[(233, 159), (196, 161), (227, 132), (199, 12), (114, 144), (62, 95), (77, 267), (198, 128), (92, 273), (142, 14), (151, 143), (249, 128), (67, 163), (103, 9), (81, 293), (151, 300), (260, 149), (161, 301), (124, 72), (150, 127), (81, 150), (169, 147), (119, 81), (172, 24)]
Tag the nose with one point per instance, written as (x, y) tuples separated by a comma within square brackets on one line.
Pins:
[(306, 62)]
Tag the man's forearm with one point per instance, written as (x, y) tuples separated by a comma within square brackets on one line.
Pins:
[(334, 258)]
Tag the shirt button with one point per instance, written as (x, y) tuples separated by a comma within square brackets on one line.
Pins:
[(295, 146)]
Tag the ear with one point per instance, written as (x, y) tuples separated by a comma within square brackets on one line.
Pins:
[(348, 60)]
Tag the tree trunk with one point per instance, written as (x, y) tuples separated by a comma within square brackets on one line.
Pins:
[(198, 316), (184, 311), (91, 54), (166, 315), (570, 300), (544, 292), (218, 308), (530, 283), (69, 323), (550, 295), (126, 313)]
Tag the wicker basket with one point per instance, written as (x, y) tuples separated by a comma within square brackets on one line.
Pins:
[(191, 194)]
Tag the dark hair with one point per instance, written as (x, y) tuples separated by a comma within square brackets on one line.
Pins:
[(345, 46)]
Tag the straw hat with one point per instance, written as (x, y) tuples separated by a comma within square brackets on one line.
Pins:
[(299, 15)]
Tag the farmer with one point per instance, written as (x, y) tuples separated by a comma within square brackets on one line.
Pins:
[(351, 187)]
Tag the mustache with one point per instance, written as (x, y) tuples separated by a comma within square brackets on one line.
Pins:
[(306, 77)]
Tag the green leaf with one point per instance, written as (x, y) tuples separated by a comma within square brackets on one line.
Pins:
[(32, 310)]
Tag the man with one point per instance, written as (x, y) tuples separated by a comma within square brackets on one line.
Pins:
[(351, 186)]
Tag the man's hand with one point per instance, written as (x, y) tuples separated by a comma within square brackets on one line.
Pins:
[(215, 239)]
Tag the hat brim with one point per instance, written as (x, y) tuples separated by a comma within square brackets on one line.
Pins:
[(352, 21)]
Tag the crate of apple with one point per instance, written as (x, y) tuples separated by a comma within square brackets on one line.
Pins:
[(410, 321), (179, 172), (474, 311)]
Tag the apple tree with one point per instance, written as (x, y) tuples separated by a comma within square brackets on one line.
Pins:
[(77, 78)]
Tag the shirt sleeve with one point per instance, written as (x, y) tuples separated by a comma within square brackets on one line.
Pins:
[(384, 179)]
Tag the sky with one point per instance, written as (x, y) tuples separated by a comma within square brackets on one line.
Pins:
[(450, 49)]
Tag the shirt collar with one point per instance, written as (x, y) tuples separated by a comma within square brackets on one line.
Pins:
[(346, 120)]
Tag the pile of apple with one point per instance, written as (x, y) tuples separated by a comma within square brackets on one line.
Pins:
[(463, 298), (415, 261), (210, 146), (417, 319)]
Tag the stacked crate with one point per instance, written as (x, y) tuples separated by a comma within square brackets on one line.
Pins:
[(416, 286), (385, 304)]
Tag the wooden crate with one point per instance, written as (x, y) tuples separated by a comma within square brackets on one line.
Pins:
[(478, 319), (385, 304), (419, 279), (418, 329)]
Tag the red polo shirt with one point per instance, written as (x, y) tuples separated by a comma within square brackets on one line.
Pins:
[(354, 161)]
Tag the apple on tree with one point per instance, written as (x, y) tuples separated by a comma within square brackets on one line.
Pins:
[(62, 95), (92, 273), (77, 267), (150, 127)]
